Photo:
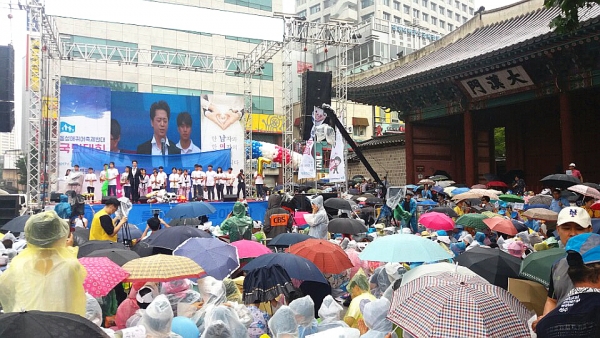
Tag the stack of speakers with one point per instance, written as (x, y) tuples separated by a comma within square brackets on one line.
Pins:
[(316, 90), (7, 91)]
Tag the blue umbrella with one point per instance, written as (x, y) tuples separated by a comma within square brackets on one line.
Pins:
[(404, 248), (520, 226), (411, 187), (459, 191), (216, 257), (286, 239), (296, 266), (427, 202), (438, 189), (171, 238), (191, 210)]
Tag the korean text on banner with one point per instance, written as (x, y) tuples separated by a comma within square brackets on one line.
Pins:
[(337, 165), (307, 164)]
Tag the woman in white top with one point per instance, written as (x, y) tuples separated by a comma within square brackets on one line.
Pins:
[(144, 182), (229, 180), (125, 182), (156, 181), (221, 179), (185, 183), (174, 181)]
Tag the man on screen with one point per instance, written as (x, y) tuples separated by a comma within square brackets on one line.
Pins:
[(184, 127), (160, 113)]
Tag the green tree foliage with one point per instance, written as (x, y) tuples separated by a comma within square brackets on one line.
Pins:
[(22, 170), (568, 20), (499, 142)]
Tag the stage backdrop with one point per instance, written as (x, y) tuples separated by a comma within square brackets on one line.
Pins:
[(132, 113), (84, 121)]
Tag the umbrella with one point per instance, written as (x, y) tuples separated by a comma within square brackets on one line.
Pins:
[(42, 324), (16, 224), (479, 186), (436, 221), (543, 214), (438, 178), (118, 256), (346, 226), (448, 190), (191, 210), (595, 206), (373, 201), (170, 238), (474, 221), (467, 196), (185, 221), (520, 226), (130, 231), (511, 198), (328, 257), (502, 225), (102, 275), (297, 267), (490, 214), (80, 236), (457, 306), (445, 184), (490, 177), (161, 268), (411, 187), (537, 266), (459, 191), (91, 246), (445, 210), (426, 181), (217, 258), (438, 189), (144, 250), (585, 190), (434, 270), (403, 248), (494, 265), (339, 203), (540, 199), (266, 283), (531, 294), (560, 181), (287, 239), (250, 249), (592, 185), (496, 184), (427, 202)]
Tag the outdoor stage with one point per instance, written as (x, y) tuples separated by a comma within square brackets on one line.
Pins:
[(141, 212)]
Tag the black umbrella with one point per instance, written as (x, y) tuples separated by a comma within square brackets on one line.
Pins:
[(81, 236), (145, 250), (16, 224), (520, 226), (445, 210), (346, 226), (91, 246), (592, 185), (491, 177), (40, 324), (494, 265), (353, 191), (374, 201), (171, 238), (266, 283), (119, 256), (439, 177), (442, 173), (287, 239), (185, 221), (339, 203), (560, 181)]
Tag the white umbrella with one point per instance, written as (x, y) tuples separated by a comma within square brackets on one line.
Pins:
[(585, 190), (435, 270), (541, 213), (444, 184)]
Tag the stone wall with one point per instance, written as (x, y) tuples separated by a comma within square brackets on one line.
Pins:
[(386, 159)]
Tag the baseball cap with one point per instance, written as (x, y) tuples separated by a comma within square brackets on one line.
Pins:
[(572, 165), (583, 248), (575, 215)]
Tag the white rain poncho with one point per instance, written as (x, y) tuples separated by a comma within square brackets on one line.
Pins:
[(331, 314), (93, 311), (283, 323), (318, 228), (374, 315), (227, 316), (213, 294), (157, 318), (304, 310)]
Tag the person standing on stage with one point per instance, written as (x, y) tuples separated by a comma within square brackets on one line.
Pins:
[(90, 180), (241, 188), (134, 181), (185, 184), (173, 181), (259, 181), (111, 176), (211, 178), (221, 179), (144, 183), (74, 180), (163, 175), (197, 180), (229, 180), (125, 182), (156, 181), (104, 228)]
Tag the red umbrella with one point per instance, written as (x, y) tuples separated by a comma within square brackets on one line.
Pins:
[(502, 225), (328, 257), (102, 275), (596, 206), (499, 184), (250, 249), (436, 221), (479, 186)]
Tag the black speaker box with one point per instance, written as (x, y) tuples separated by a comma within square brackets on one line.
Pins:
[(55, 197), (7, 116), (316, 90), (7, 73), (230, 198)]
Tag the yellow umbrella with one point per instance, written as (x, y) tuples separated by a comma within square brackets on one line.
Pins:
[(490, 214), (161, 268)]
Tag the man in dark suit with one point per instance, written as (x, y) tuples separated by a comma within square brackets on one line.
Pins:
[(160, 113), (135, 175)]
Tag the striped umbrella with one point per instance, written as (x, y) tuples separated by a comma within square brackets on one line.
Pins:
[(161, 268)]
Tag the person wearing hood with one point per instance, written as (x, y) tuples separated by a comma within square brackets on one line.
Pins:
[(229, 318), (283, 323), (359, 290), (304, 311), (63, 208), (318, 226), (374, 315), (277, 219), (330, 313), (239, 225)]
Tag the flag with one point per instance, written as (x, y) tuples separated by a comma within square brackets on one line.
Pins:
[(337, 164), (307, 164)]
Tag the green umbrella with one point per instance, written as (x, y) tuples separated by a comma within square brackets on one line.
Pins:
[(538, 265), (474, 221), (511, 198)]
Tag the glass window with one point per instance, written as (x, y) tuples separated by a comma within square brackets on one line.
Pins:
[(449, 13), (415, 13), (386, 16), (366, 3), (425, 17), (102, 42), (113, 85), (326, 18), (263, 105), (471, 10), (237, 38), (450, 27), (302, 14), (406, 9), (457, 4), (263, 5), (442, 24), (442, 10), (180, 57), (457, 17), (300, 2), (434, 20), (385, 2), (315, 9), (464, 19), (424, 3), (397, 5), (433, 6), (397, 19), (464, 7)]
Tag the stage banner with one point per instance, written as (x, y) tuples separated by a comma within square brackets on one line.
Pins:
[(85, 122), (307, 164), (337, 165), (223, 124), (141, 121), (88, 157)]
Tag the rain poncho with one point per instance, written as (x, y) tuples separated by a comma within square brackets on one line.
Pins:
[(274, 208), (126, 309), (231, 290), (480, 238), (93, 311), (361, 282), (383, 277), (157, 318), (283, 323), (63, 209), (330, 314), (318, 227), (213, 294), (229, 317), (45, 276), (238, 225), (352, 252), (304, 309), (374, 315)]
